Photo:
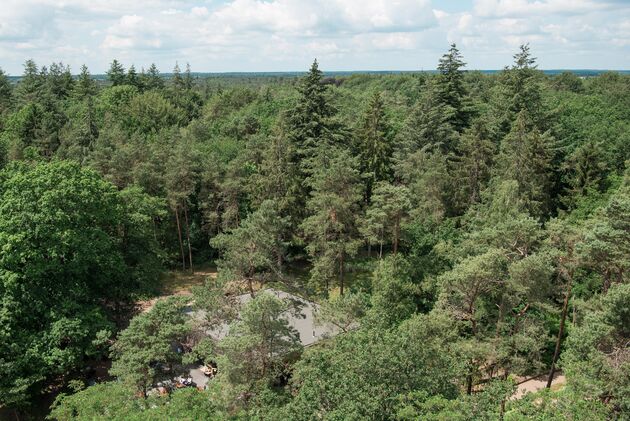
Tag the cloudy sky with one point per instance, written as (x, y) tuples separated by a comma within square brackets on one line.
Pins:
[(282, 35)]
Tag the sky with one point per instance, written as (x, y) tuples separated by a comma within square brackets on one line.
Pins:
[(286, 35)]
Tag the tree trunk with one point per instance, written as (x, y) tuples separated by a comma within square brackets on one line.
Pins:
[(556, 353), (154, 230), (188, 238), (380, 252), (341, 274), (469, 379), (396, 234), (179, 235), (501, 315), (250, 285)]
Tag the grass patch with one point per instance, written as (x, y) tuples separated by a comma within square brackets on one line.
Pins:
[(180, 281)]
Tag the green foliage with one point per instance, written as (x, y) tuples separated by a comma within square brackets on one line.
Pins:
[(374, 145), (385, 215), (451, 88), (149, 342), (502, 198), (254, 352), (60, 258), (116, 73), (392, 298), (596, 358), (526, 156), (331, 227), (255, 249), (360, 374), (486, 405), (606, 246), (342, 311), (113, 400)]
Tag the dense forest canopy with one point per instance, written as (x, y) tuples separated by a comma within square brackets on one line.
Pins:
[(462, 231)]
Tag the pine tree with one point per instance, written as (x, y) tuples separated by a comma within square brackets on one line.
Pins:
[(330, 229), (181, 180), (385, 215), (116, 73), (255, 249), (375, 148)]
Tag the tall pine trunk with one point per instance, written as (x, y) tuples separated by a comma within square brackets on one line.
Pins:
[(188, 238), (341, 273), (396, 234), (380, 252), (179, 235), (556, 353)]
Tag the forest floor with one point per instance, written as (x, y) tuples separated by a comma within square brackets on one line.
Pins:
[(538, 383), (179, 282)]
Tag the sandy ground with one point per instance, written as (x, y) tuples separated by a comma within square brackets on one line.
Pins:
[(538, 383), (178, 283)]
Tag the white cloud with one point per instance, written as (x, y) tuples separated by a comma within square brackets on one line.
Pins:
[(287, 34), (524, 8)]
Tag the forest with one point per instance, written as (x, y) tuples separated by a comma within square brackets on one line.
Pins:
[(461, 231)]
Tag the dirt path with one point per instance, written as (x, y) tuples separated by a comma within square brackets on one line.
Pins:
[(538, 383)]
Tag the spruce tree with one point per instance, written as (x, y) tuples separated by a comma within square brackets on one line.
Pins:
[(472, 167), (116, 73), (310, 129), (451, 87), (526, 156), (521, 90), (310, 121), (6, 93), (585, 171), (429, 124), (59, 81), (85, 86), (152, 79), (177, 79), (31, 83), (375, 146), (132, 77), (188, 78)]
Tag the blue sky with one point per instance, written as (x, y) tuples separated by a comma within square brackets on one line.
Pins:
[(283, 35)]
